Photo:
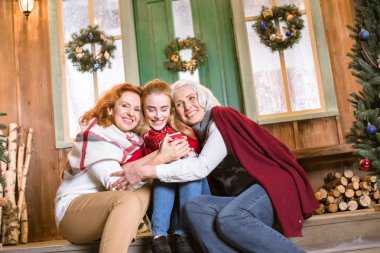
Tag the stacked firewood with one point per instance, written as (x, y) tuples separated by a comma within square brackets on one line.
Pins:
[(13, 210), (347, 192)]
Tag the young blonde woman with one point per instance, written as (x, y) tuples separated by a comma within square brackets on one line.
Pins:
[(87, 207), (160, 121)]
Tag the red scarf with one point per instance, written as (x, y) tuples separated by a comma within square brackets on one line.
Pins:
[(154, 138), (272, 164)]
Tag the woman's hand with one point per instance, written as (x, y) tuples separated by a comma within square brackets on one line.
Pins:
[(173, 149), (130, 177)]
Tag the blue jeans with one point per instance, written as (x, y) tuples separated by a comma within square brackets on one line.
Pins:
[(163, 202), (236, 224)]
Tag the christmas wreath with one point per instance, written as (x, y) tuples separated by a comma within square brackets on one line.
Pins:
[(83, 59), (268, 23), (175, 63)]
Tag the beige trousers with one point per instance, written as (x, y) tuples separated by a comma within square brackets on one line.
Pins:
[(112, 216)]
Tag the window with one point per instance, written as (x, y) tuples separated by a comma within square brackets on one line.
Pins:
[(183, 28), (73, 92), (82, 89), (290, 85)]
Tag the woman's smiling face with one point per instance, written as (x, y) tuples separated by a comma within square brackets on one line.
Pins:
[(157, 110), (126, 112), (187, 106)]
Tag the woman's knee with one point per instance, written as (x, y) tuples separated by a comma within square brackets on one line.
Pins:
[(128, 200), (194, 207)]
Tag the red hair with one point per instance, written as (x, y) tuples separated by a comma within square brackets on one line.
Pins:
[(108, 100)]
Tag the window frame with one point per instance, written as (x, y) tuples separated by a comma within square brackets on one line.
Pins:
[(248, 91), (57, 59)]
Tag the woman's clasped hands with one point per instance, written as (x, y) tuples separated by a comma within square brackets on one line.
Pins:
[(133, 173)]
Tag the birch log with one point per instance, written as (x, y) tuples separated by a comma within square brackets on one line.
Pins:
[(11, 225), (24, 225), (28, 153), (10, 174), (20, 163), (3, 168)]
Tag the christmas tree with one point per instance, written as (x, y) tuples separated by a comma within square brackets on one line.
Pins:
[(365, 65), (3, 143)]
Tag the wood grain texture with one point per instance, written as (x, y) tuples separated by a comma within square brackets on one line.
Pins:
[(284, 132), (36, 110), (8, 76), (318, 132), (337, 14)]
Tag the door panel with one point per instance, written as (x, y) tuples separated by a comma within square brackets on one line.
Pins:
[(154, 29), (212, 21)]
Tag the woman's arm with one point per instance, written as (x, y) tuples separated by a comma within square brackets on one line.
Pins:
[(170, 150), (189, 169)]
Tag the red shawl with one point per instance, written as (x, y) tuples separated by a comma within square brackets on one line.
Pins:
[(272, 164)]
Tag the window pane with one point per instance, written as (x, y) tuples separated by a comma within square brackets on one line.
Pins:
[(301, 72), (115, 75), (75, 17), (254, 7), (183, 28), (106, 15), (267, 76), (80, 96)]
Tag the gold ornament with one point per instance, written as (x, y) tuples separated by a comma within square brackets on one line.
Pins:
[(174, 57), (289, 18), (272, 37), (279, 37), (267, 13), (99, 55), (106, 55)]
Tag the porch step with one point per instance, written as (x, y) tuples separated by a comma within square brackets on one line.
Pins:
[(140, 245), (356, 231), (351, 232)]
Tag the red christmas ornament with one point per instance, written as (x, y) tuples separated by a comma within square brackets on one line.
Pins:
[(365, 164)]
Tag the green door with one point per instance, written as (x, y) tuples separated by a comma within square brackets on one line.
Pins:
[(212, 21)]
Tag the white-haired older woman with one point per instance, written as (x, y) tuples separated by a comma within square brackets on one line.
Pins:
[(254, 177)]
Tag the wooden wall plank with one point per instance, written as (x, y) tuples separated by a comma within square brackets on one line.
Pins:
[(336, 15), (318, 132), (8, 79), (36, 105), (284, 132)]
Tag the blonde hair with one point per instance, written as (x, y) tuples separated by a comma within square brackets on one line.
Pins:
[(160, 87), (205, 97), (108, 100)]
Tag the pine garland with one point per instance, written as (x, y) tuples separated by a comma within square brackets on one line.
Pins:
[(82, 58), (175, 63), (268, 20)]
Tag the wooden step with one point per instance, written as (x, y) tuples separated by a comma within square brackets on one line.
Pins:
[(356, 231), (352, 232), (140, 245)]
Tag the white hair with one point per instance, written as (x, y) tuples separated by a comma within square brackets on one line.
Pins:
[(205, 97)]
